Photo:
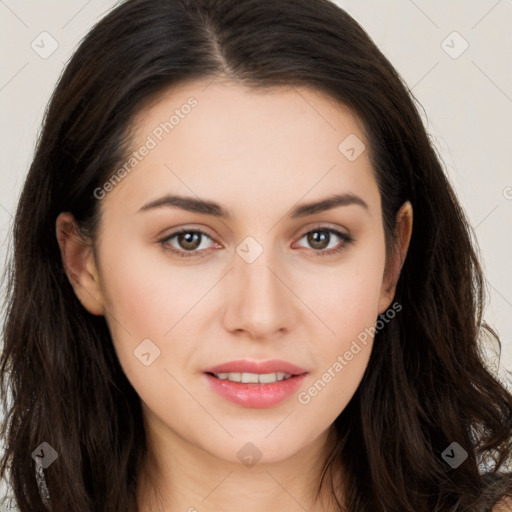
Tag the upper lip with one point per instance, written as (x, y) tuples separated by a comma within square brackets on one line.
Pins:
[(260, 367)]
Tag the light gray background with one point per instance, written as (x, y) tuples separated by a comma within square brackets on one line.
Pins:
[(467, 99)]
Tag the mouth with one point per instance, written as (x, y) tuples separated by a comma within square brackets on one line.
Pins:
[(255, 384), (252, 378)]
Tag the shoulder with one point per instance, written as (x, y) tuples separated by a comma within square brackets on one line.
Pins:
[(504, 505)]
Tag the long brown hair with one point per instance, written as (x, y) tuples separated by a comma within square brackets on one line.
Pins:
[(426, 384)]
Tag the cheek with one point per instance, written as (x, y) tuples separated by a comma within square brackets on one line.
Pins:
[(329, 390), (145, 299), (342, 357), (349, 306), (348, 300), (147, 292)]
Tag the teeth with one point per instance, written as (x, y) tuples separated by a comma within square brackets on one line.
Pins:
[(254, 378), (249, 378)]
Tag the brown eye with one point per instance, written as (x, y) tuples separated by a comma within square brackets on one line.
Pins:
[(320, 239), (187, 241)]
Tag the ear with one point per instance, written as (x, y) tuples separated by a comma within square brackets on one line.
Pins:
[(79, 264), (403, 231)]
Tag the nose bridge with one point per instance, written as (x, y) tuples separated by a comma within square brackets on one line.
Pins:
[(259, 300)]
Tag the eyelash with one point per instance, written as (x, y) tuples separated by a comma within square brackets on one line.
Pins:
[(188, 254)]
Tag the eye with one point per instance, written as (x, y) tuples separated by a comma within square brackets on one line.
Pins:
[(188, 240), (321, 237)]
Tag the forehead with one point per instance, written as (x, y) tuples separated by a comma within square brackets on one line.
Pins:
[(225, 116), (220, 139)]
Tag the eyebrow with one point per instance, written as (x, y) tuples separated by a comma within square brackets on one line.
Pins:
[(206, 207)]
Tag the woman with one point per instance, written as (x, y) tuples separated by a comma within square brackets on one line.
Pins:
[(219, 298)]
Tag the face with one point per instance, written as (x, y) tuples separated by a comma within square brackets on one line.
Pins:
[(268, 281)]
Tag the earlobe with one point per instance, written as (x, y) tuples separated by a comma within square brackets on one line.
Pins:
[(79, 264), (403, 232)]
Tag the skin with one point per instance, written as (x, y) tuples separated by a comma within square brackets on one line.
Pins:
[(258, 154)]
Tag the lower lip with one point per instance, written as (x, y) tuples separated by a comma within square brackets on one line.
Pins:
[(256, 395)]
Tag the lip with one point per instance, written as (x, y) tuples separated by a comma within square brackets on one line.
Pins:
[(256, 395), (246, 366)]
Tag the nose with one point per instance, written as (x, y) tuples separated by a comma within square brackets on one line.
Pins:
[(260, 302)]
